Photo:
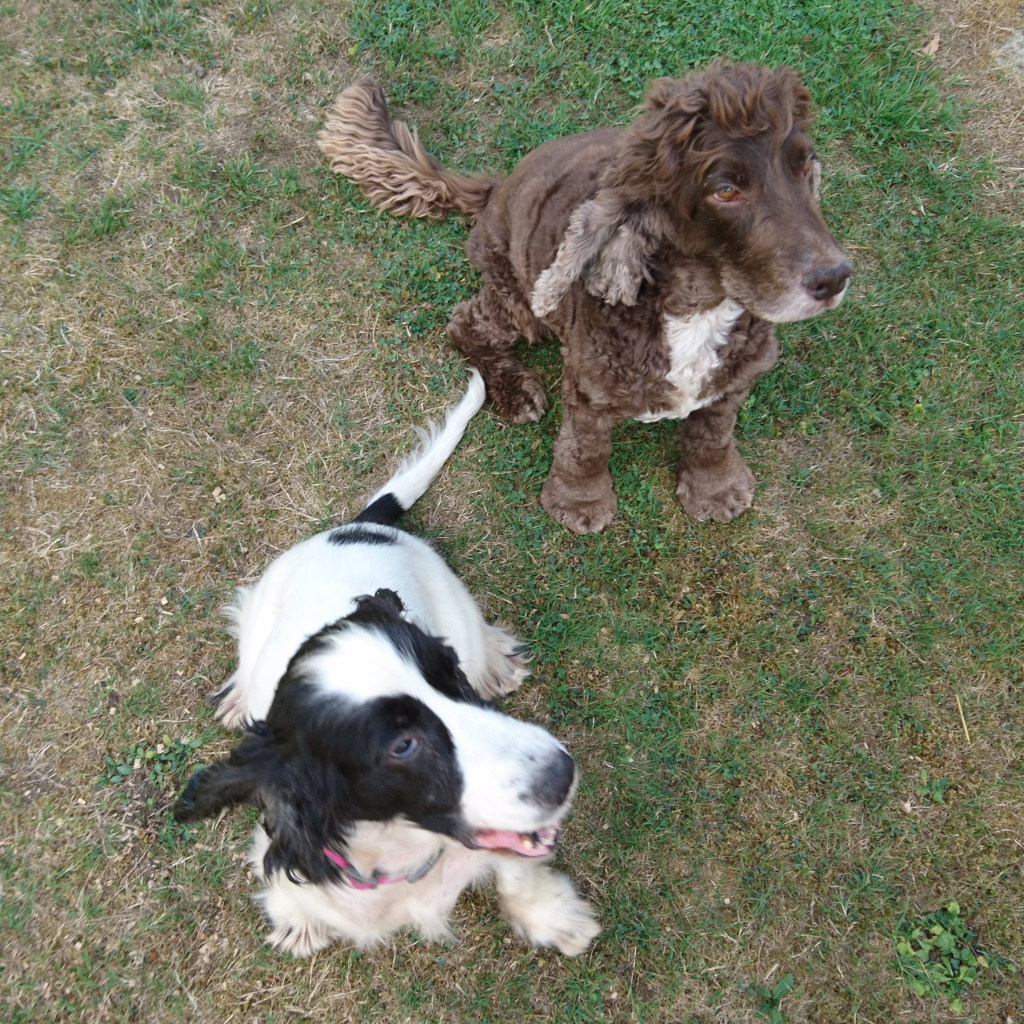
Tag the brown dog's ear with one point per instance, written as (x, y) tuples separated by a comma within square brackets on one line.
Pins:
[(612, 239), (607, 244), (625, 261), (591, 226), (661, 92)]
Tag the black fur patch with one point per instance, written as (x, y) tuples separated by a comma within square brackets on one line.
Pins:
[(355, 534), (320, 763), (438, 664), (386, 511), (384, 602)]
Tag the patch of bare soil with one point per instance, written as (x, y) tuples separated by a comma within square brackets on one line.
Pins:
[(981, 44)]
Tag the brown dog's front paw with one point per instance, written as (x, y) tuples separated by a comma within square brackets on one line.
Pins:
[(717, 496), (581, 514), (516, 393)]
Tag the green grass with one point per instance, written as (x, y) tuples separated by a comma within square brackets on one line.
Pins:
[(799, 733), (940, 957)]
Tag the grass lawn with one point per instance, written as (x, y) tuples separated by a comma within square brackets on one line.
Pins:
[(800, 734)]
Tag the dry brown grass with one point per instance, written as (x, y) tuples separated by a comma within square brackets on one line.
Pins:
[(133, 502), (977, 44), (979, 47)]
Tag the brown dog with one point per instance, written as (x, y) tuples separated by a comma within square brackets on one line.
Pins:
[(660, 255)]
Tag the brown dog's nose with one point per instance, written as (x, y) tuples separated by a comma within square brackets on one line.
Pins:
[(824, 282)]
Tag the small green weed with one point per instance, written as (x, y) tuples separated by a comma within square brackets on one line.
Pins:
[(932, 790), (165, 761), (939, 955), (771, 998), (163, 766), (18, 204)]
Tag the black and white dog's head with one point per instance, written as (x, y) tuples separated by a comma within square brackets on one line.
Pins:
[(374, 720)]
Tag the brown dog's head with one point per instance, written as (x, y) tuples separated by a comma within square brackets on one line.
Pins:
[(719, 169)]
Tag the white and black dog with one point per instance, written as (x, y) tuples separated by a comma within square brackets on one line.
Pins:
[(387, 780)]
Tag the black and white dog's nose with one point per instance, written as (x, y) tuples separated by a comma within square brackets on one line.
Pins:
[(554, 782), (825, 282)]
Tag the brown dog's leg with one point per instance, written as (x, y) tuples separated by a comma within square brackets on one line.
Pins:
[(484, 331), (713, 480), (578, 491)]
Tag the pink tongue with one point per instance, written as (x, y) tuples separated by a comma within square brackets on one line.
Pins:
[(495, 839)]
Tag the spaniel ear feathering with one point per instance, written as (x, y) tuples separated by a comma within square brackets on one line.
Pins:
[(387, 780), (660, 255)]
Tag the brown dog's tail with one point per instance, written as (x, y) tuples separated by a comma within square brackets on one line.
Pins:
[(385, 159)]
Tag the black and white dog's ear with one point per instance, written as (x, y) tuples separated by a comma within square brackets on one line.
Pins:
[(304, 807), (384, 603), (242, 777), (213, 789)]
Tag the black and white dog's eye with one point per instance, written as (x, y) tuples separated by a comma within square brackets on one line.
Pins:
[(404, 748)]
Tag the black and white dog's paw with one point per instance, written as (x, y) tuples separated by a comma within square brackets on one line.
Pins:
[(506, 664), (293, 931), (569, 926), (231, 702), (552, 913)]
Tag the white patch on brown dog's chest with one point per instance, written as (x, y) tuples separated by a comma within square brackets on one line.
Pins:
[(694, 343)]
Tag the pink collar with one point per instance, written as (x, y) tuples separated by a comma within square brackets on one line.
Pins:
[(358, 881)]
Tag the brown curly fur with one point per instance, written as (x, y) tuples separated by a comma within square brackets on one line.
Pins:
[(597, 238)]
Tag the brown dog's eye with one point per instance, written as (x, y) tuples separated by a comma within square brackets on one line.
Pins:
[(808, 164), (727, 193)]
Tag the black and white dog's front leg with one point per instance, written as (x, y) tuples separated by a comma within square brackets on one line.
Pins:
[(505, 664), (543, 905)]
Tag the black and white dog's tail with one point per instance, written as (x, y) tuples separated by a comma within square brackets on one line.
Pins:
[(416, 473)]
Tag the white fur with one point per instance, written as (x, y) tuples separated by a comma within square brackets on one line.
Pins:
[(497, 755), (412, 478), (542, 905), (314, 584), (306, 918), (790, 306), (694, 343)]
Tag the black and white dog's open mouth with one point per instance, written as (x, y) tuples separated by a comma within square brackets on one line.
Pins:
[(526, 844)]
